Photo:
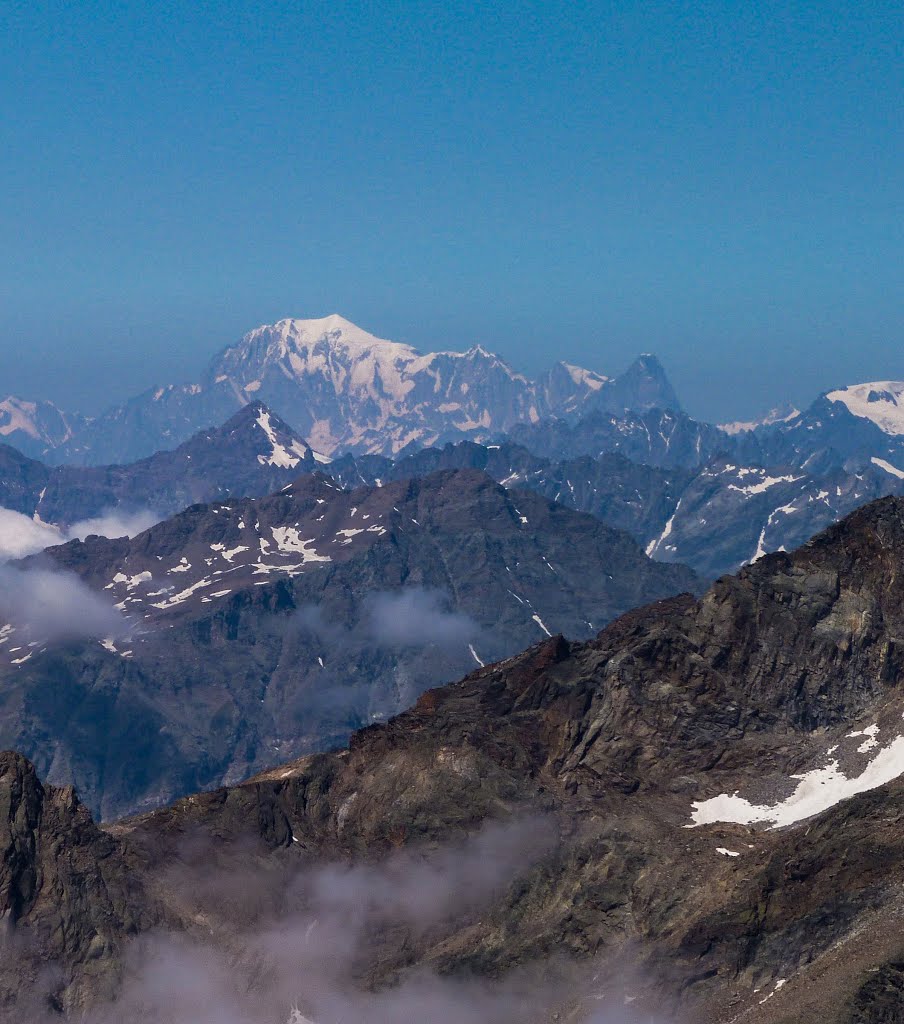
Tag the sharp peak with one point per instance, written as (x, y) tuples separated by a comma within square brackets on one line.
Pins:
[(251, 411), (647, 360)]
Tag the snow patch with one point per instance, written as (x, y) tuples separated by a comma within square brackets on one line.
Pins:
[(816, 791)]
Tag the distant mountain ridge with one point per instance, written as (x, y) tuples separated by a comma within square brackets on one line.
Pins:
[(253, 453), (685, 491), (347, 390), (36, 427)]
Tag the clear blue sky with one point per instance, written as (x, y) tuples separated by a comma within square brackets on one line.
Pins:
[(720, 183)]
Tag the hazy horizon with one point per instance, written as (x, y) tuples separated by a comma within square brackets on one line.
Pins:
[(187, 367)]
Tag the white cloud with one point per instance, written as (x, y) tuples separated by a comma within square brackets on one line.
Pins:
[(21, 536), (51, 605)]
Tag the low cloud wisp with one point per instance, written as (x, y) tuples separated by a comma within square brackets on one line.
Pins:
[(51, 605), (417, 617), (20, 535), (306, 945)]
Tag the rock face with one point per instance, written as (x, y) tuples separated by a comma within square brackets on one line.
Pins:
[(346, 390), (732, 513), (288, 621), (654, 436), (848, 428), (665, 752), (68, 896), (254, 453)]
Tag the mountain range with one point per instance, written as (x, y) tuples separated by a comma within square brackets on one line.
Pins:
[(695, 815), (344, 390), (650, 798), (660, 476)]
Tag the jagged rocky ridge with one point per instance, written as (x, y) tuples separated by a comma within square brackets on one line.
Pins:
[(781, 685), (288, 621)]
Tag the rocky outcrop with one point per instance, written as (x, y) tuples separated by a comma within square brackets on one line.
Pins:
[(69, 897)]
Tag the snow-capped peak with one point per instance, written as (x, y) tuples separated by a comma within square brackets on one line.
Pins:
[(35, 424), (333, 331), (16, 414), (880, 402)]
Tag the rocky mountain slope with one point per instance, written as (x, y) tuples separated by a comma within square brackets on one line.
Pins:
[(286, 622), (626, 495), (253, 453), (712, 787), (347, 390), (849, 428), (714, 517)]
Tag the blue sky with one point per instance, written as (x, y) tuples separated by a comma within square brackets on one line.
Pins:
[(718, 183)]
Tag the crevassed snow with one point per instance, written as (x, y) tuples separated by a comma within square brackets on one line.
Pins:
[(816, 791), (881, 402)]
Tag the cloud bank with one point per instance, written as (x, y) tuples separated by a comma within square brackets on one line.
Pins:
[(21, 536), (412, 617)]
